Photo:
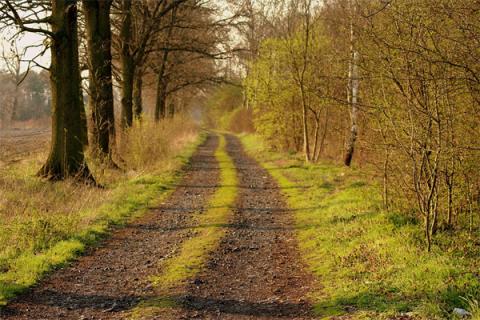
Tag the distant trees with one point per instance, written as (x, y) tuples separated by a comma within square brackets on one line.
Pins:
[(297, 85), (139, 26), (28, 100), (27, 94)]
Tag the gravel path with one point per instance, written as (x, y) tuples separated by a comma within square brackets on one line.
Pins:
[(256, 272), (110, 280)]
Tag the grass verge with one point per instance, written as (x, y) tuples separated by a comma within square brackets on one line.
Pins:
[(45, 225), (209, 228), (371, 264)]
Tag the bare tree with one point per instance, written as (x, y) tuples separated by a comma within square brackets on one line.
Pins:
[(57, 19)]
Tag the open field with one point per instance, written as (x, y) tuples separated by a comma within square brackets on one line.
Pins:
[(18, 144)]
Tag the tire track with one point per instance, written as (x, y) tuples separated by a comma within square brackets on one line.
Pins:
[(257, 272)]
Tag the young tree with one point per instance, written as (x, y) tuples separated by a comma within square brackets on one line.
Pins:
[(353, 83), (13, 63)]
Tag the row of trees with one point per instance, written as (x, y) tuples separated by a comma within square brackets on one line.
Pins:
[(395, 83), (23, 101), (123, 44)]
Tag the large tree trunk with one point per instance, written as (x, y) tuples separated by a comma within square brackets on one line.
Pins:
[(99, 37), (128, 64), (66, 158)]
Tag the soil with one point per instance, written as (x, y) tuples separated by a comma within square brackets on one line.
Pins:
[(255, 273), (16, 145)]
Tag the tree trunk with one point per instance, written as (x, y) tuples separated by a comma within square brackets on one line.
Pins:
[(128, 64), (162, 84), (99, 37), (354, 111), (171, 109), (352, 93), (306, 141), (161, 102), (66, 157), (386, 199), (316, 132), (11, 114), (162, 81), (137, 95)]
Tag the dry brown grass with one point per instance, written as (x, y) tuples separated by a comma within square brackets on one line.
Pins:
[(147, 144), (37, 216)]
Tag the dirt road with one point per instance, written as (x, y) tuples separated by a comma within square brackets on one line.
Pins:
[(254, 274)]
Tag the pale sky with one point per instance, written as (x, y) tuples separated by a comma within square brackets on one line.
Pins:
[(24, 42)]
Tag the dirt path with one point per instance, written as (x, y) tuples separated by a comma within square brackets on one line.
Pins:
[(255, 273), (108, 281)]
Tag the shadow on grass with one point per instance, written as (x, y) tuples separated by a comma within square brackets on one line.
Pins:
[(239, 187), (230, 306), (269, 210), (390, 299), (70, 303), (375, 300), (400, 219)]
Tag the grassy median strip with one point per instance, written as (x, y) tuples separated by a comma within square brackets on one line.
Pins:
[(39, 243), (370, 263), (209, 228)]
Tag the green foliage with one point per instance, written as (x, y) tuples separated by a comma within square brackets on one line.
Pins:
[(221, 104), (367, 261), (277, 87), (418, 102)]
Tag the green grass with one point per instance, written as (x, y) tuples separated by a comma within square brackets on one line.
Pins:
[(35, 241), (209, 228), (367, 261)]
